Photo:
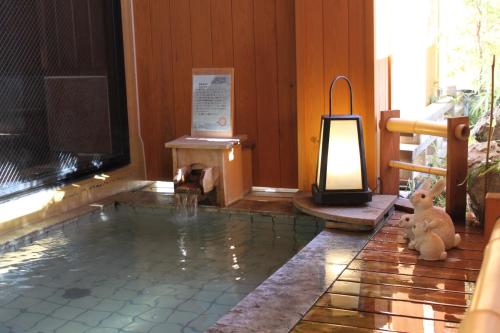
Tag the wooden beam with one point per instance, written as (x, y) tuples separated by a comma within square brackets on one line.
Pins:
[(389, 143), (456, 185), (491, 213)]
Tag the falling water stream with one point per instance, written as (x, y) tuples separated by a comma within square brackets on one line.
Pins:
[(186, 203)]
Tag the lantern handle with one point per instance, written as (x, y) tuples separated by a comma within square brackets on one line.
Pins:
[(340, 77)]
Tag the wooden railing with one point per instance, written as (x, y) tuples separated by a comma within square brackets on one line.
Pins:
[(456, 131)]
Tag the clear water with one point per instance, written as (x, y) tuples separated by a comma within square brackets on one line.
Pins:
[(143, 270)]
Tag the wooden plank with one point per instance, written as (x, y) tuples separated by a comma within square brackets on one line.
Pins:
[(414, 270), (361, 73), (201, 33), (267, 93), (204, 143), (465, 236), (161, 18), (232, 176), (142, 25), (465, 243), (287, 94), (412, 258), (310, 86), (491, 213), (222, 33), (421, 282), (305, 326), (403, 248), (374, 320), (245, 81), (392, 307), (336, 53), (463, 229), (389, 177), (136, 169), (161, 93), (401, 293), (456, 175), (182, 64), (370, 119)]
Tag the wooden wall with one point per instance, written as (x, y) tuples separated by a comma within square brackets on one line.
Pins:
[(257, 38), (334, 37)]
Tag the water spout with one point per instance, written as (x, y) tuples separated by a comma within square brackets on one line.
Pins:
[(186, 203)]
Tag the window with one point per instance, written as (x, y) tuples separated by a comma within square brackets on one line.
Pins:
[(62, 92)]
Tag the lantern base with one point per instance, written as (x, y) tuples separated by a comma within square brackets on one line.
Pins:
[(340, 198)]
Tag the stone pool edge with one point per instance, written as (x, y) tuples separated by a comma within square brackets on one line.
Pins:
[(279, 303)]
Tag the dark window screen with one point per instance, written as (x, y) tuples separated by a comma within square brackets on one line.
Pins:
[(62, 92)]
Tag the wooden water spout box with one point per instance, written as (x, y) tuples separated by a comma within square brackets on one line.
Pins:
[(226, 154)]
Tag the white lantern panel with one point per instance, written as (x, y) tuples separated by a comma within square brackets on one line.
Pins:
[(344, 161), (320, 152)]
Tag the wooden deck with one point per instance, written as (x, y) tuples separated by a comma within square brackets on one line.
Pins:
[(386, 288)]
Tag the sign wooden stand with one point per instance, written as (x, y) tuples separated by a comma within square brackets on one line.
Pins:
[(212, 142)]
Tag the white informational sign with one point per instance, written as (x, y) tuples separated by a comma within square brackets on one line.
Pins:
[(212, 102)]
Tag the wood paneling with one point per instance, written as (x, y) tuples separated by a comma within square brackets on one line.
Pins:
[(334, 37), (267, 93), (245, 83), (287, 96), (257, 38)]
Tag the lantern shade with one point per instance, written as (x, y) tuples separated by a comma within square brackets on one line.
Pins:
[(341, 172)]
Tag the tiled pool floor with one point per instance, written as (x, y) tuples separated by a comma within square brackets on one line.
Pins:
[(140, 270)]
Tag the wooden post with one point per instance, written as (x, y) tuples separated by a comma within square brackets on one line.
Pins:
[(456, 174), (389, 150), (491, 213)]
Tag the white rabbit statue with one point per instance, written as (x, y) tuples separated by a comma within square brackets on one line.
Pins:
[(428, 243), (407, 223), (437, 219)]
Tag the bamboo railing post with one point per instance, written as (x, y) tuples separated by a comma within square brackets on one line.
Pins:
[(456, 174), (389, 150)]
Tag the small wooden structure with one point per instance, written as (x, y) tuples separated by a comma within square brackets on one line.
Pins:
[(456, 130), (365, 216), (224, 153)]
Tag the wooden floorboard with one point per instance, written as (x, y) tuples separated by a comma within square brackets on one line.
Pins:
[(313, 327), (407, 280), (401, 293), (393, 307), (414, 270), (412, 258), (391, 323), (402, 248), (465, 244), (386, 288)]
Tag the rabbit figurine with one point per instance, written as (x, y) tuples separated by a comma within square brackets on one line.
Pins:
[(430, 245), (407, 223), (438, 220)]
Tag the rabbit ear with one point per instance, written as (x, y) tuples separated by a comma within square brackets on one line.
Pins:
[(438, 188), (426, 185)]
